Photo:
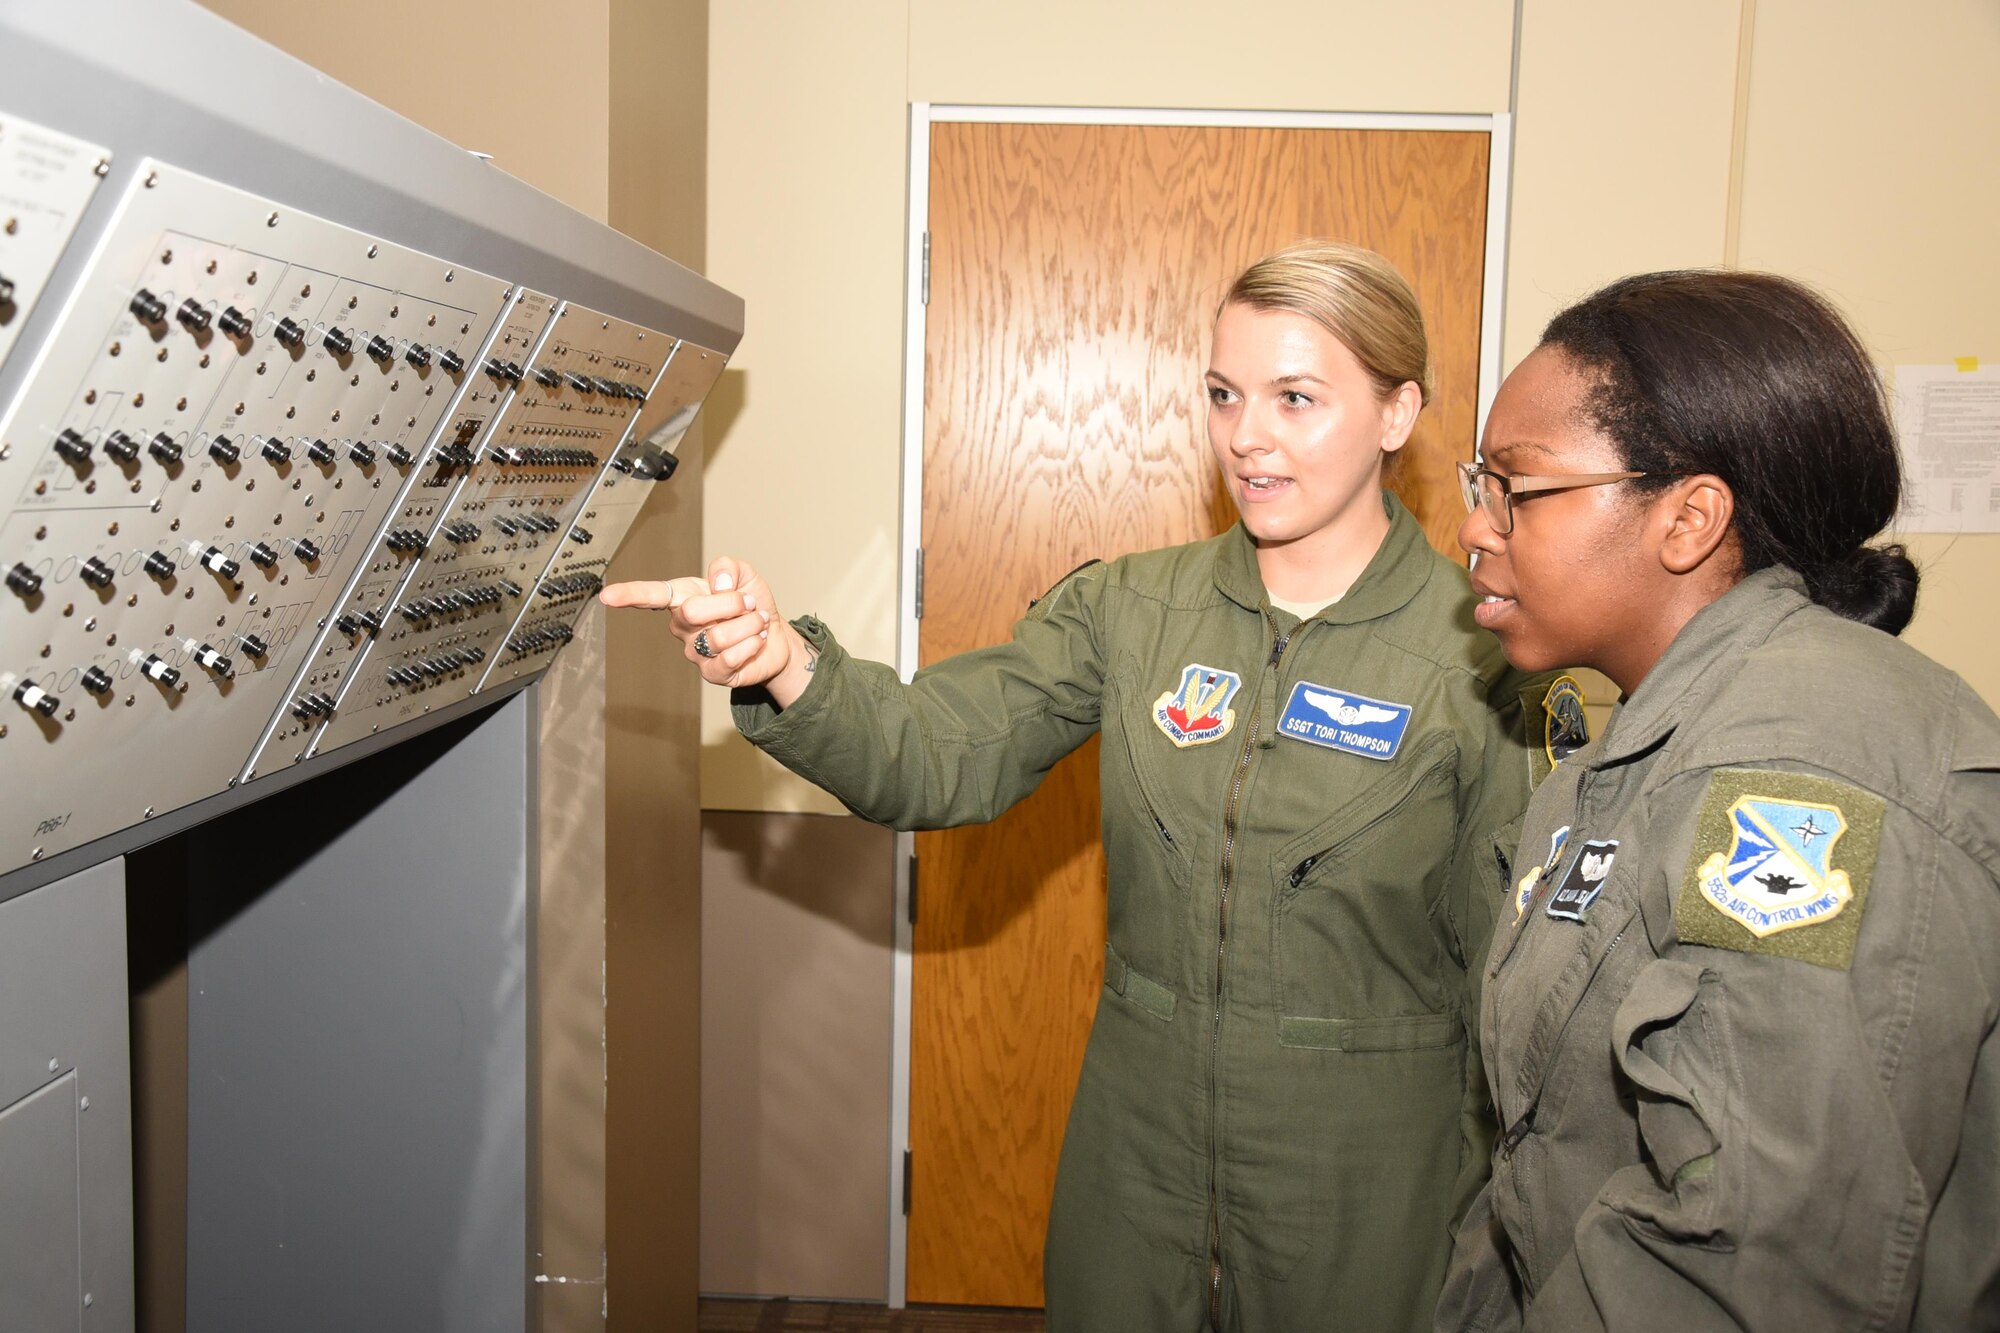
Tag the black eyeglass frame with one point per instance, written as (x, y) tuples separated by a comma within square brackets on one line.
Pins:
[(1508, 487)]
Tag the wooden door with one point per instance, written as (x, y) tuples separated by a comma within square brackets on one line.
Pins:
[(1075, 272)]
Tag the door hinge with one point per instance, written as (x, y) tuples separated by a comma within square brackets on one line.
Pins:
[(919, 598), (926, 282), (913, 890), (906, 1182)]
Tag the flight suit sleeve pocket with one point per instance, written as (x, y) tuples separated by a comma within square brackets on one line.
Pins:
[(1671, 1042), (1141, 990), (1414, 1032)]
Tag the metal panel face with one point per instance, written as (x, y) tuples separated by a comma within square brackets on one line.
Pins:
[(235, 398), (647, 458), (65, 1084), (408, 543), (46, 179), (576, 400), (41, 1269)]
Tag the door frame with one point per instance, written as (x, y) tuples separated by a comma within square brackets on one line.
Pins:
[(1492, 309)]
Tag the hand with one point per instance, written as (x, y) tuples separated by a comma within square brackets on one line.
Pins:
[(733, 613)]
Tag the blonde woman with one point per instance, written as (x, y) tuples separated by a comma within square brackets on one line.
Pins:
[(1308, 748)]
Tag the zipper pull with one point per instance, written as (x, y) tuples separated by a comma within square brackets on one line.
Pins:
[(1517, 1132), (1165, 832), (1302, 869)]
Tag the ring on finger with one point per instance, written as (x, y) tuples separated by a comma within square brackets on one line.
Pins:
[(701, 645)]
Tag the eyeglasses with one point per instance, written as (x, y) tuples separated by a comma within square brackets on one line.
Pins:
[(1493, 494)]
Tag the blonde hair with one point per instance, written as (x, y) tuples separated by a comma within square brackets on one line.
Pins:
[(1354, 294)]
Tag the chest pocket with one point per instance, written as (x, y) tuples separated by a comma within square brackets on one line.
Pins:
[(1149, 836), (1356, 936)]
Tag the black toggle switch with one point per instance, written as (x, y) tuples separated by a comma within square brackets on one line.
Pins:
[(73, 447), (216, 562), (320, 452), (262, 556), (381, 349), (24, 581), (211, 660), (96, 680), (451, 361), (581, 536), (223, 450), (338, 342), (36, 699), (156, 668), (290, 334), (149, 308), (513, 370), (122, 447), (160, 565), (306, 550), (233, 322), (96, 573), (372, 620), (194, 316), (398, 455), (163, 448), (417, 355), (349, 624), (546, 377), (277, 451), (581, 383), (253, 645), (361, 453)]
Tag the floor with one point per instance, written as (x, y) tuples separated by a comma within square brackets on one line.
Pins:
[(734, 1316)]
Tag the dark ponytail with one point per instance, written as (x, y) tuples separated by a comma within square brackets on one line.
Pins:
[(1755, 379)]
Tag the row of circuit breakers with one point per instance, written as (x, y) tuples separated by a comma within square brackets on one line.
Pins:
[(274, 485)]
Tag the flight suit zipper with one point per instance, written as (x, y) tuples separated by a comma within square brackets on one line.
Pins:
[(1229, 814)]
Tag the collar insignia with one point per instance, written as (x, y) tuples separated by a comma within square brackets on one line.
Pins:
[(1585, 880), (1524, 892), (1565, 728), (1341, 720), (1197, 711)]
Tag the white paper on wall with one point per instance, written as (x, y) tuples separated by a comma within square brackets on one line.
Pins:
[(1948, 419)]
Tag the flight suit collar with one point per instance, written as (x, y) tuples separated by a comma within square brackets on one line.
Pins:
[(1702, 658), (1395, 574)]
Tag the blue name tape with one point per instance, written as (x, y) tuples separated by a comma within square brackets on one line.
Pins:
[(1341, 720)]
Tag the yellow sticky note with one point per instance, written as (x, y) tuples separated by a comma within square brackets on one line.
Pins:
[(1967, 364)]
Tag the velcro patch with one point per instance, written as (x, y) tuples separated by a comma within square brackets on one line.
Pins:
[(1781, 865), (1342, 720)]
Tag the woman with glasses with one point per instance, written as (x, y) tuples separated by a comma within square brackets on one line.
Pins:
[(1308, 749), (1740, 1012)]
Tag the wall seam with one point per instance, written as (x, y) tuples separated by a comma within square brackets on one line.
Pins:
[(1739, 135)]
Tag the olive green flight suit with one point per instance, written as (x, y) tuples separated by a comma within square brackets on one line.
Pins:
[(1757, 1084), (1280, 1115)]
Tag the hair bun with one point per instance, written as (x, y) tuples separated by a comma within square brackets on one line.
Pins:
[(1876, 585)]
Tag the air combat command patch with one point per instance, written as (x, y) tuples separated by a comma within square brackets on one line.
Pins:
[(1197, 710), (1781, 865)]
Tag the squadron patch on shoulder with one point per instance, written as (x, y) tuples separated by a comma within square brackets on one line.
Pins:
[(1342, 720), (1585, 880), (1197, 710), (1781, 865), (1565, 728), (1524, 892)]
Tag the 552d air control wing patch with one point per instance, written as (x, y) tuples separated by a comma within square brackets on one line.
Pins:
[(1781, 865)]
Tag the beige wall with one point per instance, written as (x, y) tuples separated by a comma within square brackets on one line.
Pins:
[(1869, 169), (457, 69)]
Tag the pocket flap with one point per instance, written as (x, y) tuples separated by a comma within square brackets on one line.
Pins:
[(1141, 990), (1411, 1033)]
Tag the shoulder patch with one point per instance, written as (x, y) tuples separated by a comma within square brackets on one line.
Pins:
[(1781, 865), (1565, 729)]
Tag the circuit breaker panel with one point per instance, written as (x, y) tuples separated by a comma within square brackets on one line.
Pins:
[(275, 484)]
